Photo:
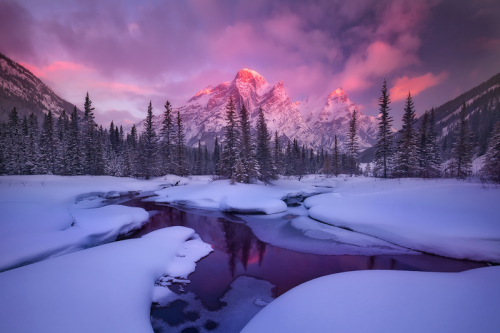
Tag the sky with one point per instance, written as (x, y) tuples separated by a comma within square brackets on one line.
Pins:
[(126, 53)]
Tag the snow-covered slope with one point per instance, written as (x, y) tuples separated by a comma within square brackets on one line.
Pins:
[(312, 122), (20, 88)]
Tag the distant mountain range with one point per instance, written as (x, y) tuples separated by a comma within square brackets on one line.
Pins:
[(312, 122), (20, 88)]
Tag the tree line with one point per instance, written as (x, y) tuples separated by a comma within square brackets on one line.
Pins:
[(76, 145), (415, 152)]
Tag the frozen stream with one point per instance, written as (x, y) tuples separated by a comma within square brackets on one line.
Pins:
[(244, 273)]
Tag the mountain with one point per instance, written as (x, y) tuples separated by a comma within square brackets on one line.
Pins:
[(312, 122), (483, 111), (20, 88)]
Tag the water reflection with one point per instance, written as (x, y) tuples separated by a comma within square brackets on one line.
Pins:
[(237, 251)]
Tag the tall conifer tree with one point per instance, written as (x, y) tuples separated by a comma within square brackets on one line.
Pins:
[(231, 148), (462, 152), (406, 156), (384, 148)]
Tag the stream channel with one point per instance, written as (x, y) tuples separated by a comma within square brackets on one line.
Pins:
[(244, 273)]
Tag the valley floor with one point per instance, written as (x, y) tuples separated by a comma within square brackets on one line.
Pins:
[(53, 229)]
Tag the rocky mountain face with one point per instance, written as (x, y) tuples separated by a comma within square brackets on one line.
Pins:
[(20, 88), (312, 122)]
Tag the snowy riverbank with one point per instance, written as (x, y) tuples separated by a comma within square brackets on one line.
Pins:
[(387, 301), (46, 216)]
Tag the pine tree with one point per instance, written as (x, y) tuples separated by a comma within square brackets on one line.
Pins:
[(247, 153), (216, 157), (62, 167), (368, 170), (384, 150), (428, 153), (231, 149), (180, 148), (406, 156), (264, 158), (335, 157), (13, 157), (288, 167), (434, 155), (327, 166), (491, 168), (167, 132), (199, 160), (89, 138), (48, 146), (75, 153), (352, 144), (277, 155), (32, 142), (150, 145), (462, 151)]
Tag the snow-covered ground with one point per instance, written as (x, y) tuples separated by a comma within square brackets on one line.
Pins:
[(451, 218), (238, 198), (46, 216), (387, 301), (108, 288)]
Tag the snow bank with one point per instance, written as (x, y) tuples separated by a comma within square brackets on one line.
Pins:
[(297, 232), (104, 289), (387, 301), (445, 217), (238, 198), (45, 216)]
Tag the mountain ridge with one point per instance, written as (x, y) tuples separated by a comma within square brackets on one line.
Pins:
[(312, 122), (20, 88)]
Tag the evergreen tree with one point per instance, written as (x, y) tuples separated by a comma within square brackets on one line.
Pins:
[(406, 156), (312, 162), (231, 149), (384, 149), (335, 157), (75, 154), (352, 143), (247, 153), (327, 166), (289, 170), (149, 145), (264, 157), (368, 170), (62, 167), (216, 157), (277, 155), (462, 151), (48, 146), (89, 138), (13, 157), (434, 156), (167, 132), (180, 148), (491, 168), (32, 142), (199, 160)]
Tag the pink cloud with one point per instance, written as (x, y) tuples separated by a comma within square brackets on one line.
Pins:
[(415, 84), (378, 60), (56, 66)]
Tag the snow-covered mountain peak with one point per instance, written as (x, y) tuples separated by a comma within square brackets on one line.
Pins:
[(339, 96), (248, 76), (313, 121)]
